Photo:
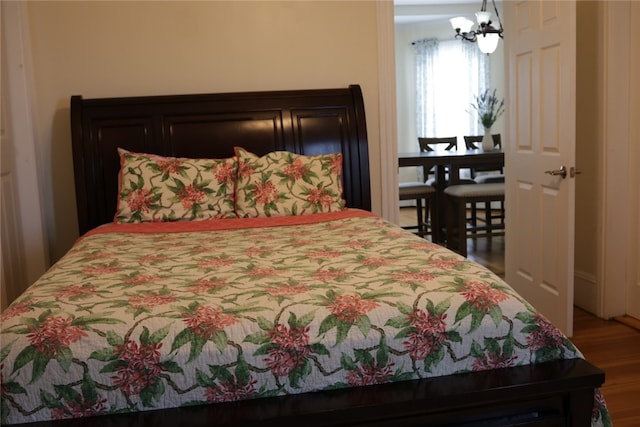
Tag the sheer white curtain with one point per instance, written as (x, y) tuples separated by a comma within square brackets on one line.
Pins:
[(449, 75)]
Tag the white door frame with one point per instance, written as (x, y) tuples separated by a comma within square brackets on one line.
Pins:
[(17, 51), (633, 287), (388, 111), (619, 216)]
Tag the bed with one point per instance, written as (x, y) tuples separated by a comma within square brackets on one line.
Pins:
[(227, 302)]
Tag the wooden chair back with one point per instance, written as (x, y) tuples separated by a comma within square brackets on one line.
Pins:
[(470, 141), (428, 144)]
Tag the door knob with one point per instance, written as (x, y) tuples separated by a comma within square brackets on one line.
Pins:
[(562, 172)]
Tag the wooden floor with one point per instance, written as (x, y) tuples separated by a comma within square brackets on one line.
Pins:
[(612, 346)]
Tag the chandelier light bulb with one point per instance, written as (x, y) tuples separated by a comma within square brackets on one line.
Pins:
[(461, 23), (488, 43), (483, 17)]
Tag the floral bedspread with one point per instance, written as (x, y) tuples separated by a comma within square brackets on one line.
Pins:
[(132, 319)]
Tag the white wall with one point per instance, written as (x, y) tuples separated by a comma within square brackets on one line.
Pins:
[(107, 49)]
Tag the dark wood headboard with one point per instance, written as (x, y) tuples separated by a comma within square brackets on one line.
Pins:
[(209, 126)]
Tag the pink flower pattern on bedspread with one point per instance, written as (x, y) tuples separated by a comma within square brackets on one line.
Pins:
[(140, 321)]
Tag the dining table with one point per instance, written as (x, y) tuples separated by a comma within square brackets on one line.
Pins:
[(449, 162)]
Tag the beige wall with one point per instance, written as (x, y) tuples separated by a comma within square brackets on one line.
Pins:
[(104, 49)]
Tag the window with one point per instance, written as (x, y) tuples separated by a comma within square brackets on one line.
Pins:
[(449, 75)]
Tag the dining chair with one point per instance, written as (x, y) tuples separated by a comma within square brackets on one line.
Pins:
[(449, 143), (486, 174), (424, 193), (489, 173), (427, 217), (458, 225)]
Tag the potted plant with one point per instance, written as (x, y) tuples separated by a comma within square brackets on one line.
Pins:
[(489, 108)]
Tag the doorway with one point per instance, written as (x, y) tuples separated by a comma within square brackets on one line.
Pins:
[(615, 242), (424, 19)]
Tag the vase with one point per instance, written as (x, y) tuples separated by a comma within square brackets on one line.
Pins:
[(487, 140)]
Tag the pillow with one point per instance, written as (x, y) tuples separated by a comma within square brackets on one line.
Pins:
[(156, 188), (283, 183)]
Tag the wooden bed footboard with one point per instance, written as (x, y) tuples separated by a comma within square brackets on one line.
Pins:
[(558, 393)]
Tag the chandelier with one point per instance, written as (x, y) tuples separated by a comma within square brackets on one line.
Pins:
[(486, 35)]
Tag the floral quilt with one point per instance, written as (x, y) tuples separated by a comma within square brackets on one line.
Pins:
[(146, 316)]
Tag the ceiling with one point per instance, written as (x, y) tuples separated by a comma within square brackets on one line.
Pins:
[(413, 11), (432, 2)]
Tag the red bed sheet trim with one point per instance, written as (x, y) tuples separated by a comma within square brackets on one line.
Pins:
[(228, 224)]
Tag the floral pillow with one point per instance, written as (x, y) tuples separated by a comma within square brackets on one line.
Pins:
[(156, 188), (283, 183)]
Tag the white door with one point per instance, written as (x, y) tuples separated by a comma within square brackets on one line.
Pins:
[(540, 45)]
